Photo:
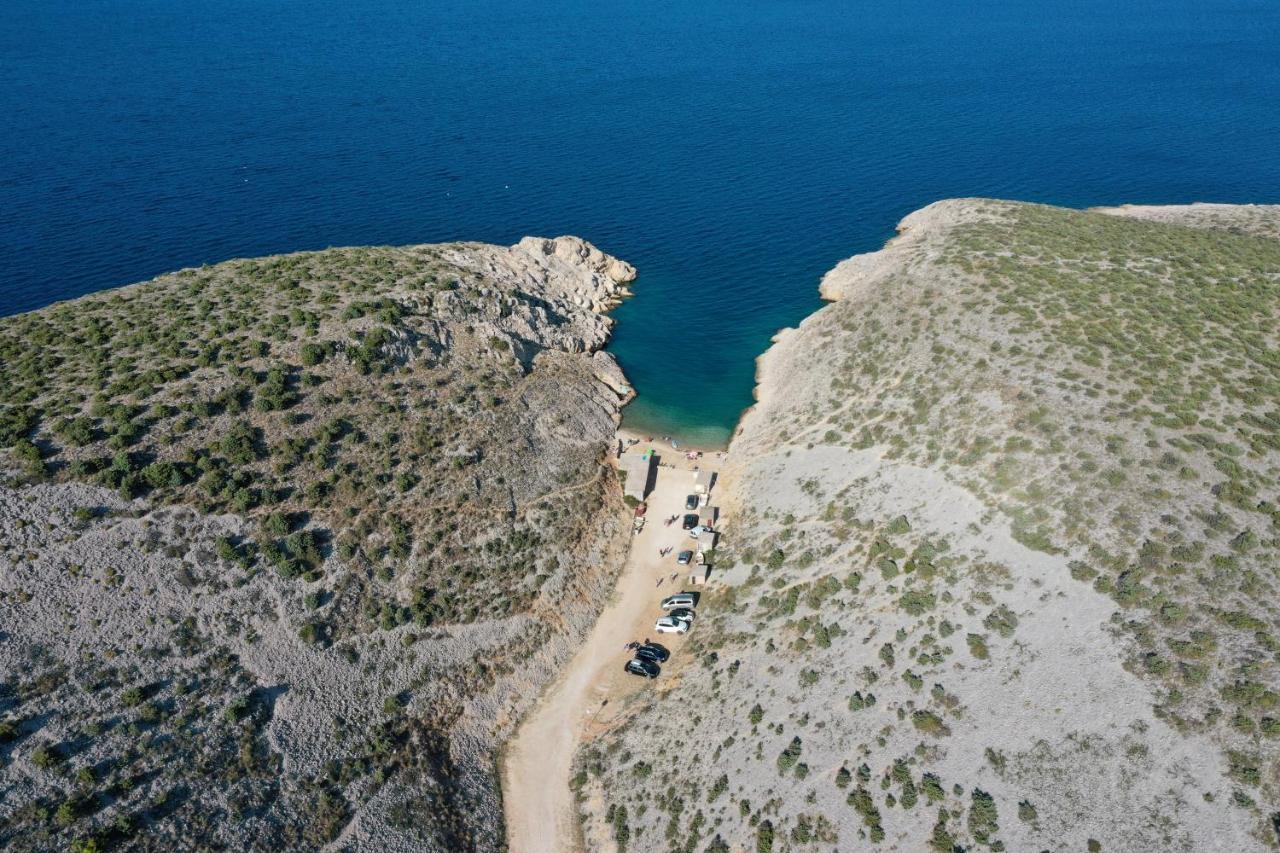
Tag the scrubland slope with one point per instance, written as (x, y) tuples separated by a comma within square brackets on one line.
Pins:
[(287, 545), (1004, 533)]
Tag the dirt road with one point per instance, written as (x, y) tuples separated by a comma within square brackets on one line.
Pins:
[(540, 811)]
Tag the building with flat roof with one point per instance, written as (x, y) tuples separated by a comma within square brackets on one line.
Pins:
[(637, 469)]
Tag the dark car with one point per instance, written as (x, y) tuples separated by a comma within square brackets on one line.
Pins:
[(643, 668), (691, 502), (653, 652), (690, 521), (684, 557)]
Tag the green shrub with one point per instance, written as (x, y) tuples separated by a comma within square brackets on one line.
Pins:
[(240, 443), (941, 840), (929, 723), (788, 757), (931, 785), (916, 602), (45, 756), (863, 804), (1002, 620), (843, 777), (237, 710), (858, 701), (983, 817), (275, 524), (764, 837), (312, 353)]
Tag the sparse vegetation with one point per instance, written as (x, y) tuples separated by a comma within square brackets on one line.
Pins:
[(1019, 434)]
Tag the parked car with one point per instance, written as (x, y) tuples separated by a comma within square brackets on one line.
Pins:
[(680, 599), (653, 652), (690, 521), (683, 614), (698, 529), (642, 667), (668, 625), (684, 557), (691, 502)]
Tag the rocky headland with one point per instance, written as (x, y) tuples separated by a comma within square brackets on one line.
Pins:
[(1002, 531), (289, 544)]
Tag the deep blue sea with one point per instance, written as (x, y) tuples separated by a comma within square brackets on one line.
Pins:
[(733, 150)]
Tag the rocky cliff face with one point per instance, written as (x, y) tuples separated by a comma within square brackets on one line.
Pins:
[(1002, 531), (288, 545)]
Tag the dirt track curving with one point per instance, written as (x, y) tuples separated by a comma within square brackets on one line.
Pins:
[(539, 805)]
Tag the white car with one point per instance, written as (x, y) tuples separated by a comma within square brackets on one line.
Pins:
[(667, 625), (698, 531), (680, 599)]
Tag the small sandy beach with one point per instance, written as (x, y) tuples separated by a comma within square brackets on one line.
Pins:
[(593, 689)]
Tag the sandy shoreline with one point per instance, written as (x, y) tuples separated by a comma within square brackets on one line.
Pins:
[(671, 445)]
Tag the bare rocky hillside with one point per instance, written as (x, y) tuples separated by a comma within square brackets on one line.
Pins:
[(1005, 529), (288, 545)]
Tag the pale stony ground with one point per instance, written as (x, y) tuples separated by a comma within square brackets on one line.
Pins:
[(81, 617), (1054, 698), (1051, 720)]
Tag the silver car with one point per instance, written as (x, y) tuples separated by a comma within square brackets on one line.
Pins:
[(667, 625), (680, 599)]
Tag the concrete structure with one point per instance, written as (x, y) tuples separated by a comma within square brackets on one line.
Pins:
[(638, 469)]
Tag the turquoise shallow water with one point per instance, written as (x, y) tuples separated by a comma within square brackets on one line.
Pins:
[(733, 150)]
